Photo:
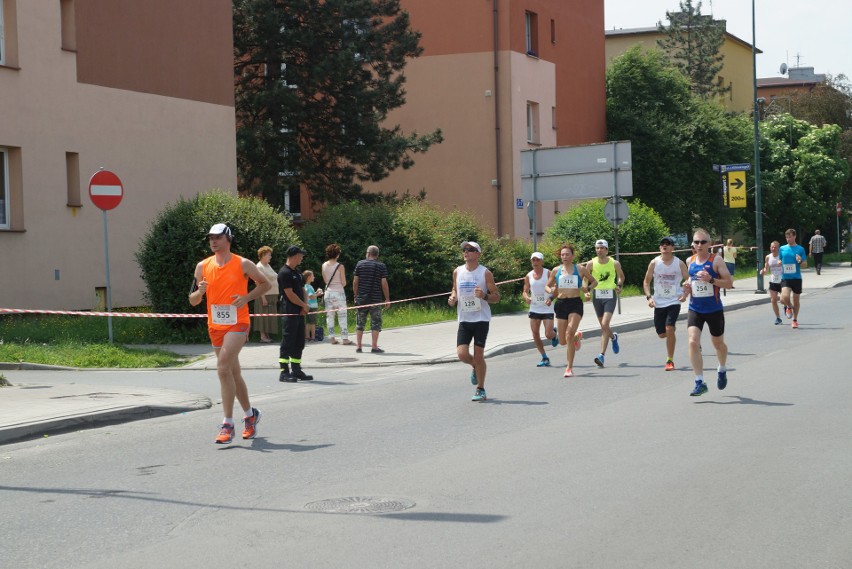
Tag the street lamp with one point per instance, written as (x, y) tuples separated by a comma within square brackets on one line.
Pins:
[(758, 199)]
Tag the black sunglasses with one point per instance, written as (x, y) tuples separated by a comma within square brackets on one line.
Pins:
[(700, 242), (470, 250)]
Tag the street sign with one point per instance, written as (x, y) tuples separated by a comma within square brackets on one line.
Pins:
[(736, 189), (105, 190), (616, 210), (734, 168)]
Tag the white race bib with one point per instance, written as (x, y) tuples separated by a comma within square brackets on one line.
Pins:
[(470, 304), (667, 291), (224, 314), (775, 279), (789, 268), (701, 289), (568, 281), (604, 293), (539, 300)]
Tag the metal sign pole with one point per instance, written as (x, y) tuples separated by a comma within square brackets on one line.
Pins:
[(108, 287), (616, 199)]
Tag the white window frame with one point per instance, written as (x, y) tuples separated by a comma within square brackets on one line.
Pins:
[(533, 123), (5, 222), (2, 36), (530, 33)]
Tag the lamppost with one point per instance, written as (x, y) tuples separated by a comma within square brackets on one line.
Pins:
[(758, 199)]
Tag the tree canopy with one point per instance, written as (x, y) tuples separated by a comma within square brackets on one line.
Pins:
[(315, 81)]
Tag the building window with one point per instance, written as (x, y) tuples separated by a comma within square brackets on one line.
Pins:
[(8, 34), (531, 22), (2, 37), (68, 25), (4, 189), (552, 31), (72, 174), (532, 123)]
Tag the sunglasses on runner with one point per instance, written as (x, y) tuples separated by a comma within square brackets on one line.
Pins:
[(470, 250), (700, 242)]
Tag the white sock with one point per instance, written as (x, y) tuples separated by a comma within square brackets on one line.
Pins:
[(721, 368), (229, 420), (249, 412), (699, 378)]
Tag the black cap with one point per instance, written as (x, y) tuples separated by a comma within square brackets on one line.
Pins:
[(667, 239), (295, 250)]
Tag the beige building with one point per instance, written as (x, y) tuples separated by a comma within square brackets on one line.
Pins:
[(499, 77), (737, 73), (143, 89)]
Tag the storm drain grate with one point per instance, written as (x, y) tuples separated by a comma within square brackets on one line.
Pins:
[(360, 505), (336, 360)]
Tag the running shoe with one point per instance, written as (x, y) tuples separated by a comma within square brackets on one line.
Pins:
[(545, 362), (226, 434), (578, 337), (479, 395), (615, 347), (555, 340), (473, 377), (568, 372), (722, 380), (788, 312), (700, 389), (669, 365), (777, 321), (600, 360), (250, 429), (795, 324)]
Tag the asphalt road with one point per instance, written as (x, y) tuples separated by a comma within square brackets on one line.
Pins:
[(615, 468)]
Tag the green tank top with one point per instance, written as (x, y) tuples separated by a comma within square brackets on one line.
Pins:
[(604, 273)]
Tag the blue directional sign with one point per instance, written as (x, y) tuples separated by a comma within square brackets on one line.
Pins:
[(735, 167)]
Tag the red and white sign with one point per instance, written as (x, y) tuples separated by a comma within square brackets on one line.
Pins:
[(105, 190)]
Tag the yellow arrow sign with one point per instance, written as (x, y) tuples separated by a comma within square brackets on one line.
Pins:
[(736, 189)]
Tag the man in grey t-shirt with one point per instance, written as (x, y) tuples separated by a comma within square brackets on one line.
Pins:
[(370, 285)]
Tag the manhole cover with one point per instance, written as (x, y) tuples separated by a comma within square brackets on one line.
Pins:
[(336, 360), (360, 505)]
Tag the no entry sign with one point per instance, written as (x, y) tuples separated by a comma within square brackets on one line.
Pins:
[(105, 190)]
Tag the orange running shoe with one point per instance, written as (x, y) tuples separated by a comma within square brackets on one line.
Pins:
[(669, 365), (568, 372), (250, 423), (226, 434), (795, 324), (578, 337)]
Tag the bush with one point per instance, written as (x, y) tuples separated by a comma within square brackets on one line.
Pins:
[(177, 241), (586, 223)]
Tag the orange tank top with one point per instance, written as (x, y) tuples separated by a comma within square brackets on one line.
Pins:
[(222, 284)]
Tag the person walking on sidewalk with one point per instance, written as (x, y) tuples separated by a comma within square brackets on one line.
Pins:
[(707, 274), (607, 271), (541, 306), (369, 284), (474, 289), (772, 266), (729, 254), (817, 247), (793, 260), (223, 279), (564, 284), (668, 274), (294, 306), (334, 276)]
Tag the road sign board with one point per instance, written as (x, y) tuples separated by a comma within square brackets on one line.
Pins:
[(735, 167), (736, 189), (616, 210), (105, 190)]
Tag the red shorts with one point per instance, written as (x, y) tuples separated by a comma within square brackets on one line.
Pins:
[(217, 336)]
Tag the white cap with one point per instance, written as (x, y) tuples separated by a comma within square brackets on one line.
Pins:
[(221, 229), (473, 244), (601, 243), (537, 255)]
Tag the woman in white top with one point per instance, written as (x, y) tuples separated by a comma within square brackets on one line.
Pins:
[(772, 265), (267, 303), (541, 309), (334, 275)]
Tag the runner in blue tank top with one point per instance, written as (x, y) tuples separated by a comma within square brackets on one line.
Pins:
[(793, 260), (707, 274)]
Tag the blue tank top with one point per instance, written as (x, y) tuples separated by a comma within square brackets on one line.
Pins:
[(705, 296)]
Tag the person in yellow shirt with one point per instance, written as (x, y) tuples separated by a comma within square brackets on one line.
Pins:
[(607, 271)]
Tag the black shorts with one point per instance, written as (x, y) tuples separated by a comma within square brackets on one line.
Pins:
[(566, 306), (538, 316), (476, 331), (775, 286), (665, 316), (793, 284), (715, 321)]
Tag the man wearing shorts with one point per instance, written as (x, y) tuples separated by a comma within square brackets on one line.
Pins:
[(607, 271), (473, 290), (793, 260), (223, 279), (772, 266), (668, 273), (369, 286), (707, 274), (541, 306)]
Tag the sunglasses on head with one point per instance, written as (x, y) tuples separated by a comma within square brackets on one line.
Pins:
[(700, 242), (470, 250)]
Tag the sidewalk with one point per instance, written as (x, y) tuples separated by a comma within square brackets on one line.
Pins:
[(30, 410)]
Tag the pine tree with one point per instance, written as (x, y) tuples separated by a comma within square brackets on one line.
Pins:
[(692, 41), (315, 80)]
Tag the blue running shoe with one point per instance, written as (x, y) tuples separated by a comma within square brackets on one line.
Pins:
[(615, 348), (479, 395), (545, 362), (700, 389), (473, 377), (600, 360), (554, 341), (777, 321), (722, 380)]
